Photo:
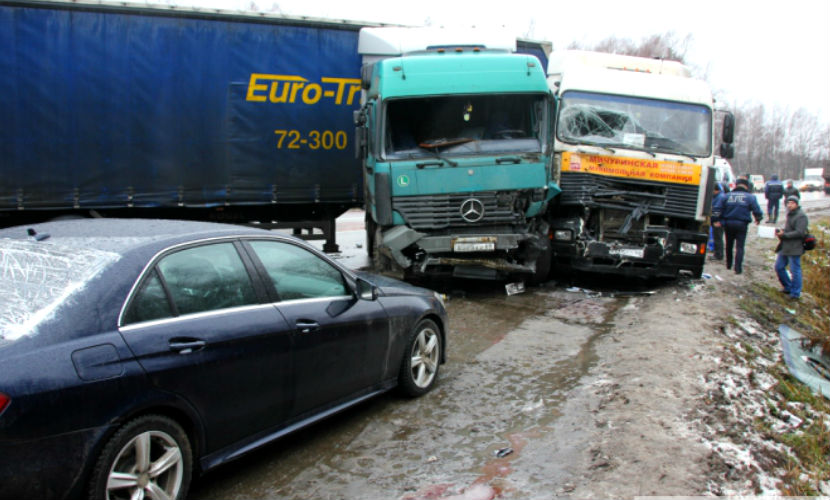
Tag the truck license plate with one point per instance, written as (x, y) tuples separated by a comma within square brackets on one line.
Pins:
[(637, 253), (483, 244)]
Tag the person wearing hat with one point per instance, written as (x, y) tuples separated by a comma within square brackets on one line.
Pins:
[(790, 248), (717, 229), (773, 190), (736, 211), (789, 190)]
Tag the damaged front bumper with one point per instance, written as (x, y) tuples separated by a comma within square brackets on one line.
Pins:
[(665, 254), (477, 256)]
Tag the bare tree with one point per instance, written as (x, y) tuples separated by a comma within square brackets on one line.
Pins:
[(661, 46)]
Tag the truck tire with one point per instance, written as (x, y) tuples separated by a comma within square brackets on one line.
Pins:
[(542, 264)]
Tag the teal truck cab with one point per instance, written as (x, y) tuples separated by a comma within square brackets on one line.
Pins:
[(455, 140)]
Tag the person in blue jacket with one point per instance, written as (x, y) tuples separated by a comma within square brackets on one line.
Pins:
[(774, 191), (736, 211), (717, 229)]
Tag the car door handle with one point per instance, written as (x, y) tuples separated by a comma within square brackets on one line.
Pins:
[(307, 326), (186, 346)]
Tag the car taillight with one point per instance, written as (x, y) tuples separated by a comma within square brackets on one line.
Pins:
[(4, 402)]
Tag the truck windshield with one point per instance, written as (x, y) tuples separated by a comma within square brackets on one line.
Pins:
[(635, 123), (464, 125)]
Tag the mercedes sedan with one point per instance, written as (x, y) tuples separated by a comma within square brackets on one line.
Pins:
[(135, 354)]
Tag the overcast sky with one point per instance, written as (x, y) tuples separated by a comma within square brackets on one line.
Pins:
[(776, 53)]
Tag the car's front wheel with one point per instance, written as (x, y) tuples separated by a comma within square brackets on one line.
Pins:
[(419, 368), (149, 457)]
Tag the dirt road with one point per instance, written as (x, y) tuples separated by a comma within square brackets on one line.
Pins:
[(561, 391)]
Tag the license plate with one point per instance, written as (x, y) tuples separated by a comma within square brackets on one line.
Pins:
[(474, 247), (482, 244), (637, 253)]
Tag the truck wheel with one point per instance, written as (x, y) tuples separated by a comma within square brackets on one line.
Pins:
[(419, 367), (542, 264), (148, 456)]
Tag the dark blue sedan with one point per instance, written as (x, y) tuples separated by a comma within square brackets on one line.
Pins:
[(135, 354)]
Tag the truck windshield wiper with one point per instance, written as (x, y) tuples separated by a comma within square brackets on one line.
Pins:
[(434, 151), (444, 142)]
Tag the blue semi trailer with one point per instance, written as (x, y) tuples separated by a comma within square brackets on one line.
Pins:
[(136, 111), (130, 111)]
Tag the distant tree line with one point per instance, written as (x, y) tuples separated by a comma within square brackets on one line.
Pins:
[(767, 141)]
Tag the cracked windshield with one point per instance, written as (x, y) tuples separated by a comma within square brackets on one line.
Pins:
[(636, 123), (465, 125)]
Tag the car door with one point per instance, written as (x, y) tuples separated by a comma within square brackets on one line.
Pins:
[(340, 342), (197, 326)]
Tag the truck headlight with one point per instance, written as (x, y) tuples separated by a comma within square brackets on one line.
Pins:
[(562, 235), (686, 247)]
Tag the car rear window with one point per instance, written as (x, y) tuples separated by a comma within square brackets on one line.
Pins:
[(37, 277)]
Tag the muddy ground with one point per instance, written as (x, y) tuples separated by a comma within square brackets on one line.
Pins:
[(567, 390)]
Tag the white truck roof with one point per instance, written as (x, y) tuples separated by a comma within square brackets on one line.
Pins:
[(625, 75), (560, 60), (396, 41)]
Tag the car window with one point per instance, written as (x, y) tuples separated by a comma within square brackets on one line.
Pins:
[(207, 278), (150, 302), (298, 273)]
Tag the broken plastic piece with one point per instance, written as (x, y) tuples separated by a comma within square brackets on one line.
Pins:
[(804, 363), (514, 288), (504, 452)]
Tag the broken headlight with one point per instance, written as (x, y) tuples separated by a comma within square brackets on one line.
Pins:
[(686, 247), (562, 235)]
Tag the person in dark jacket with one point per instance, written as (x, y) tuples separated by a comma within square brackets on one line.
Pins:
[(773, 190), (789, 190), (790, 248), (717, 229), (736, 211)]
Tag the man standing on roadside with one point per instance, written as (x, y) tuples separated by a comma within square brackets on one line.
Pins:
[(717, 229), (736, 211), (790, 248), (773, 190), (791, 191)]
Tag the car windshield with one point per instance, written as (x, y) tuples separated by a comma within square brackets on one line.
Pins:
[(635, 123), (463, 125), (36, 277)]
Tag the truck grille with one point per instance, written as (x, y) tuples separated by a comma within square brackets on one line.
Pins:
[(441, 211), (677, 200)]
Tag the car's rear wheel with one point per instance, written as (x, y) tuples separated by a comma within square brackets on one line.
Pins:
[(422, 357), (149, 457)]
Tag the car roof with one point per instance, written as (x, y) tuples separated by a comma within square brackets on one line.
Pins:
[(51, 260), (123, 236)]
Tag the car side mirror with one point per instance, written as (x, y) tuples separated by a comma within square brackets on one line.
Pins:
[(366, 290)]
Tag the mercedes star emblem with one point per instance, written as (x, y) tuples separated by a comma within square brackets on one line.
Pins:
[(472, 210)]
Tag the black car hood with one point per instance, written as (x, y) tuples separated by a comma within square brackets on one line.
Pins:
[(391, 287)]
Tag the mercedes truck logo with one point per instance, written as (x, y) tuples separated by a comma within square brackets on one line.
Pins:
[(472, 210)]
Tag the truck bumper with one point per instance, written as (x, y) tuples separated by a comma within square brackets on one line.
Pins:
[(678, 251), (477, 256)]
